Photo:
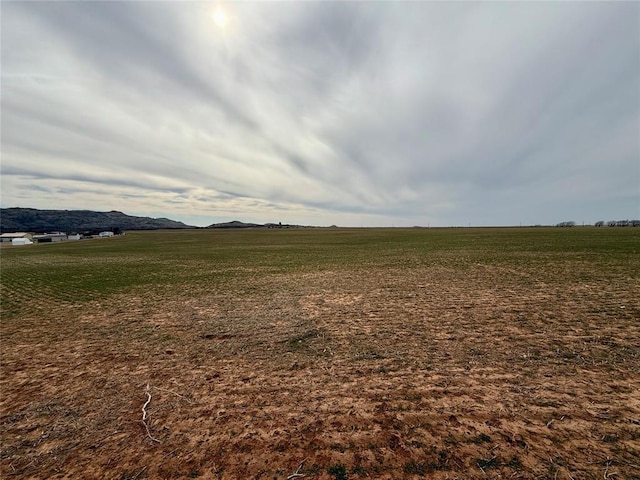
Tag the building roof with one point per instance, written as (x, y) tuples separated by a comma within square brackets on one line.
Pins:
[(14, 235), (48, 235)]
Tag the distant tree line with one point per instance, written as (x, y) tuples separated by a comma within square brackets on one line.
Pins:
[(618, 223), (602, 223)]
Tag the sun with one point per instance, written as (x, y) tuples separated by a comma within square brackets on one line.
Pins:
[(220, 18)]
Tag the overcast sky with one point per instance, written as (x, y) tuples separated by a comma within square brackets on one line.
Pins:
[(355, 114)]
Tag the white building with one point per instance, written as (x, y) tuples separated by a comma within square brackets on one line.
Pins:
[(8, 237), (106, 234), (21, 241)]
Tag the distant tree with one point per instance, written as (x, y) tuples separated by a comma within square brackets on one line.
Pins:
[(600, 223)]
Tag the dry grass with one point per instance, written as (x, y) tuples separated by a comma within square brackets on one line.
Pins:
[(454, 366)]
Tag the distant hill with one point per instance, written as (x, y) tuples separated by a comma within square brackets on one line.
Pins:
[(238, 224), (235, 224), (33, 220)]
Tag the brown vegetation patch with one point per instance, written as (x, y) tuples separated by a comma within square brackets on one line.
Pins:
[(428, 372)]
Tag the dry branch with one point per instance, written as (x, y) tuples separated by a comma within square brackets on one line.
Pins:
[(297, 473), (144, 414)]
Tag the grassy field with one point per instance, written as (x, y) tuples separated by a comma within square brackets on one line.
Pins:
[(365, 353)]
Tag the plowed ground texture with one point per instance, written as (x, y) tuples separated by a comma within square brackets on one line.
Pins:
[(328, 353)]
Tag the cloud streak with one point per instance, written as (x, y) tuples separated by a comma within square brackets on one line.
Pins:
[(326, 113)]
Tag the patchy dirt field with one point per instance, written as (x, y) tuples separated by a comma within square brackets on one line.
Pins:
[(454, 365)]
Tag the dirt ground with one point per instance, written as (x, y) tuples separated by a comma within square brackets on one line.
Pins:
[(430, 372)]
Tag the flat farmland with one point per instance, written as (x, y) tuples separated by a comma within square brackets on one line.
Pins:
[(330, 353)]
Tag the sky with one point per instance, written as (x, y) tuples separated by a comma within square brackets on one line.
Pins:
[(323, 113)]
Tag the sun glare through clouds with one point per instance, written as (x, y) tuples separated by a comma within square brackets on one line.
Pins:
[(220, 18)]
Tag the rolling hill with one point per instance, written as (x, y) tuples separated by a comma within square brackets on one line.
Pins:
[(34, 220)]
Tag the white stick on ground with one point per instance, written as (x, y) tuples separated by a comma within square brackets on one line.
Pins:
[(297, 473), (144, 414)]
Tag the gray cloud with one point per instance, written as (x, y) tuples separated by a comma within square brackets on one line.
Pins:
[(348, 113)]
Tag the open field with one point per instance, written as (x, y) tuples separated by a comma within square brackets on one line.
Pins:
[(437, 353)]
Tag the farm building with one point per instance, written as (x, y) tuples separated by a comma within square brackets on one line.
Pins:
[(106, 234), (9, 237), (74, 236), (21, 241), (50, 237)]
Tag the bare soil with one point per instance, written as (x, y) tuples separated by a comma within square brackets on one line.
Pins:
[(485, 372)]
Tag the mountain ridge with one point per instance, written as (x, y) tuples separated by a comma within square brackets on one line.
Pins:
[(18, 219)]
